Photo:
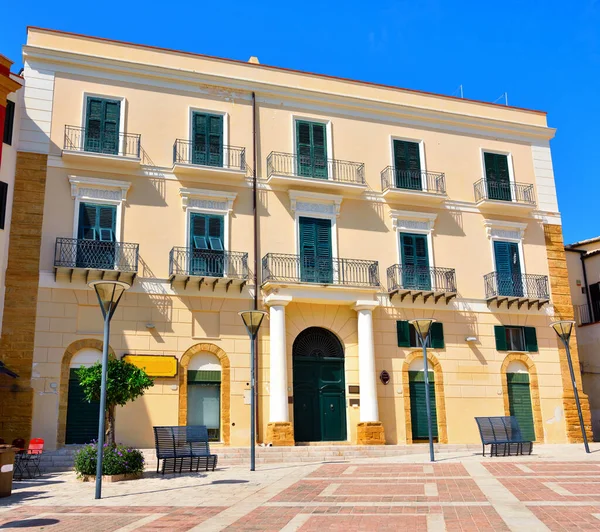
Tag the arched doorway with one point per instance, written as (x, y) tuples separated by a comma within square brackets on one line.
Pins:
[(82, 416), (418, 407), (519, 397), (319, 386), (204, 393)]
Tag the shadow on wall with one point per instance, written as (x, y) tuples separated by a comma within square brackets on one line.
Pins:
[(468, 318), (133, 425), (157, 295)]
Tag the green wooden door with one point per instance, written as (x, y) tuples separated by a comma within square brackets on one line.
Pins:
[(102, 121), (207, 255), (207, 139), (311, 149), (407, 165), (508, 268), (497, 176), (418, 409), (97, 223), (82, 417), (316, 265), (519, 400), (415, 262)]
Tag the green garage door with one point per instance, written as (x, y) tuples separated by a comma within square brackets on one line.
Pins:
[(519, 400), (418, 409), (82, 417)]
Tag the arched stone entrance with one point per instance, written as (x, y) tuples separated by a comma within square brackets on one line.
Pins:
[(319, 386)]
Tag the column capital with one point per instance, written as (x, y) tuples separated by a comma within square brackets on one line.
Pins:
[(365, 305), (277, 300)]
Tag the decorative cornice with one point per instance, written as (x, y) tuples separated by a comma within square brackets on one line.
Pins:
[(502, 229), (212, 200), (410, 220), (96, 188), (315, 203)]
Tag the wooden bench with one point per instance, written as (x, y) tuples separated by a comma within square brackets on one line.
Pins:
[(502, 432), (183, 443)]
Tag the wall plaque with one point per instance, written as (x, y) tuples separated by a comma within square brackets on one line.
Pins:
[(384, 377), (353, 388)]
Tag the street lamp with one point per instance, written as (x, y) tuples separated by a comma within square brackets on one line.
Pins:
[(423, 329), (109, 294), (563, 329), (252, 320)]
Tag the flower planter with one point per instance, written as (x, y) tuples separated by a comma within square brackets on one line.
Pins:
[(112, 478)]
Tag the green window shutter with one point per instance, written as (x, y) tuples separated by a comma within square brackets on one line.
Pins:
[(500, 334), (107, 215), (508, 268), (319, 150), (102, 125), (97, 222), (403, 331), (315, 250), (87, 221), (215, 140), (437, 335), (203, 376), (519, 400), (418, 409), (82, 416), (207, 139), (531, 339), (415, 262), (496, 167), (407, 164), (110, 140), (311, 149)]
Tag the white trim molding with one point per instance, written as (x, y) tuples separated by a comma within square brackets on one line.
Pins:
[(421, 144), (412, 221), (328, 133), (509, 159), (499, 229), (209, 200), (122, 117), (314, 203)]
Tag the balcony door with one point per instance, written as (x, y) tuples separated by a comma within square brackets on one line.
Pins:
[(415, 262), (207, 252), (207, 139), (497, 176), (102, 121), (311, 149), (316, 264), (407, 165), (508, 269), (96, 236)]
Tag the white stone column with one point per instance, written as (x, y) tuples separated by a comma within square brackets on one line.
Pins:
[(369, 410), (278, 382)]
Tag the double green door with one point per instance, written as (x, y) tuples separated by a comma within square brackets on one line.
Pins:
[(311, 149), (407, 165), (418, 405), (316, 262), (102, 121), (508, 269), (207, 139), (319, 399), (415, 262), (519, 400), (82, 416), (497, 176)]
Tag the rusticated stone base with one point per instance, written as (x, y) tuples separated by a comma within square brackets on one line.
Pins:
[(572, 417), (280, 434), (370, 433)]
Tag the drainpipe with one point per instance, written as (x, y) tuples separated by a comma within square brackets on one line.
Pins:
[(256, 262)]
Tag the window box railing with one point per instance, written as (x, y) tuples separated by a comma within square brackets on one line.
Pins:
[(85, 140), (287, 164), (277, 267), (208, 263), (416, 278), (519, 286), (95, 255), (186, 152), (432, 182), (486, 189)]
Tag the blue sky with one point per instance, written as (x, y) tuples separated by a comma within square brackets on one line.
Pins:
[(544, 53)]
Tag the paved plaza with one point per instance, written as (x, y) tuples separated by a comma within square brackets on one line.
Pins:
[(557, 488)]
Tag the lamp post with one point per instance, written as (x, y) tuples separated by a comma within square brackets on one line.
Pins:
[(109, 294), (423, 329), (252, 320), (563, 329)]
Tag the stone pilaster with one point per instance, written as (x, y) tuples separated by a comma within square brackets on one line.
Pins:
[(280, 434), (370, 433)]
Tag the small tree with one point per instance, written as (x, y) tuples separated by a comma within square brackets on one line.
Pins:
[(124, 382)]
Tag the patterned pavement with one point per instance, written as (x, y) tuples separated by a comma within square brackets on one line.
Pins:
[(455, 495)]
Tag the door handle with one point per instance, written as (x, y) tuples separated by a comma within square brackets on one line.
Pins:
[(331, 407)]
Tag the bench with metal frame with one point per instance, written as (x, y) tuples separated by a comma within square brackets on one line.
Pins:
[(181, 443), (503, 432)]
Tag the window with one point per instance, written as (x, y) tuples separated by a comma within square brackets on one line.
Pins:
[(316, 265), (311, 149), (508, 269), (595, 298), (407, 164), (497, 176), (102, 123), (96, 236), (9, 121), (3, 200), (207, 139), (513, 338), (206, 243), (415, 262), (407, 335)]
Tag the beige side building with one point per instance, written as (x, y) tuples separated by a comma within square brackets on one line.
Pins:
[(374, 205)]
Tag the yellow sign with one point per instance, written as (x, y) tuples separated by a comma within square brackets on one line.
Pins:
[(154, 365)]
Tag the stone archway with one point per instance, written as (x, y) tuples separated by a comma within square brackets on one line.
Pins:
[(533, 387), (63, 392), (225, 385), (440, 399)]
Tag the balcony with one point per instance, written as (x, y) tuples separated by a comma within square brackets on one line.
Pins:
[(280, 269), (207, 267), (497, 197), (227, 162), (287, 169), (93, 146), (415, 282), (519, 289), (93, 259), (416, 187)]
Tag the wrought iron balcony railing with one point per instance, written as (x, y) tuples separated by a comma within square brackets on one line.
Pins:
[(416, 278), (187, 152), (432, 182), (96, 255), (287, 164), (583, 316), (296, 269), (524, 285), (486, 189), (208, 263), (103, 142)]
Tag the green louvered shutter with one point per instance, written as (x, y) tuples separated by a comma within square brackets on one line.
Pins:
[(415, 262), (500, 334), (407, 163), (102, 125), (315, 250), (110, 141), (207, 245), (319, 150), (324, 252), (93, 125), (497, 176), (97, 223), (519, 400), (437, 335), (215, 140), (418, 407), (508, 268), (403, 332), (82, 417), (311, 149), (530, 339), (199, 139), (207, 139)]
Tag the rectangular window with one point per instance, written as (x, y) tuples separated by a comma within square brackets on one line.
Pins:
[(9, 122), (408, 337), (316, 265), (595, 299), (96, 236), (207, 139), (3, 201), (497, 176), (102, 123), (407, 165), (311, 149), (513, 338), (207, 255), (508, 269), (415, 262)]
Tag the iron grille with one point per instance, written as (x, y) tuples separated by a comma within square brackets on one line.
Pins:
[(94, 141), (583, 316), (486, 189), (208, 263), (291, 165), (297, 269), (186, 152), (522, 285), (95, 255), (433, 182), (421, 278)]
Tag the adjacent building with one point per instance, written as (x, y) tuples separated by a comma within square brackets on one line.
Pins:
[(373, 205)]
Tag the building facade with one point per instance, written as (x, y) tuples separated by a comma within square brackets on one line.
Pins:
[(374, 205)]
